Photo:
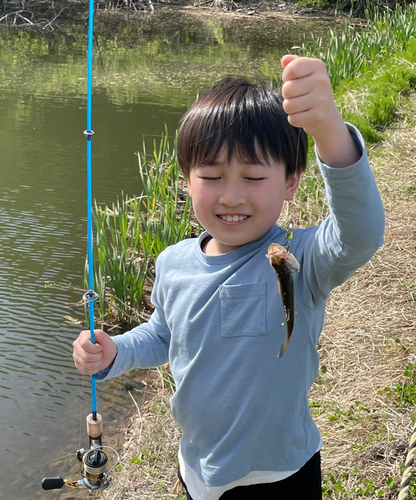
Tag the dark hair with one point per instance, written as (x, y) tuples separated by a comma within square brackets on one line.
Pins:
[(249, 119)]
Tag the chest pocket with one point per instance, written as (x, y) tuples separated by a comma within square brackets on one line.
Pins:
[(243, 310)]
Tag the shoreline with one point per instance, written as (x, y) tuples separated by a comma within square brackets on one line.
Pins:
[(280, 10), (55, 20)]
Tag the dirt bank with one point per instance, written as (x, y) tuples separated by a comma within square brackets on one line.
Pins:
[(54, 15)]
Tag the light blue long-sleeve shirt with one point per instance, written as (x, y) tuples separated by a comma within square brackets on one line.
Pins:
[(219, 321)]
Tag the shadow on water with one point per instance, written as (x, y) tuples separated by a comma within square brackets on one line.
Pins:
[(145, 75)]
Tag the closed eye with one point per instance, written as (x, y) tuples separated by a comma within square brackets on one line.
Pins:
[(209, 178), (254, 178)]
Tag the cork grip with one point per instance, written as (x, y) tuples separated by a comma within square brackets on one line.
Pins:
[(94, 427)]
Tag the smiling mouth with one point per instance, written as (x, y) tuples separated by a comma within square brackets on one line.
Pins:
[(233, 218)]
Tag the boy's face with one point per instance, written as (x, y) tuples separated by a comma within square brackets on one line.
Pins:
[(238, 202)]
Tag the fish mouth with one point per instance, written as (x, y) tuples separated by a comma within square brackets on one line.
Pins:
[(276, 250), (279, 256), (233, 218)]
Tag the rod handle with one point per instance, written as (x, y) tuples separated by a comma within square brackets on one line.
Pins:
[(94, 427), (52, 483)]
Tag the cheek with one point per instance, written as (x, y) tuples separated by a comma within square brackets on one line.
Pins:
[(270, 204), (271, 197), (201, 211), (200, 200), (196, 194)]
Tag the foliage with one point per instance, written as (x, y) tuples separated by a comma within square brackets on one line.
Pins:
[(334, 484), (380, 92), (374, 61), (166, 218), (359, 47), (404, 393), (121, 272)]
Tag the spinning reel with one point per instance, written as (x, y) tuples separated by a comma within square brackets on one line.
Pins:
[(95, 467)]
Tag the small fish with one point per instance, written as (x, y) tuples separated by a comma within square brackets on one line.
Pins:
[(284, 265)]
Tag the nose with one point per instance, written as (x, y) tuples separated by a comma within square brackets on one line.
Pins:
[(232, 194)]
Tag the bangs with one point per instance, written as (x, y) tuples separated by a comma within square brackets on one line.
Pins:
[(246, 119), (221, 127)]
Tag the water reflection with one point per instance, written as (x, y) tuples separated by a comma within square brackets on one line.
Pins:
[(145, 76)]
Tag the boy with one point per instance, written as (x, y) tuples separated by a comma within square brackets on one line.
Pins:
[(247, 431)]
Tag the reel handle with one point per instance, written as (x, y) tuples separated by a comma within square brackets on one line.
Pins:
[(52, 483)]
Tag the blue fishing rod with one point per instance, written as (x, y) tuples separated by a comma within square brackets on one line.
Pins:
[(91, 295), (95, 467)]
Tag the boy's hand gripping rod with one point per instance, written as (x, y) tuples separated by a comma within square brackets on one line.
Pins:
[(95, 467)]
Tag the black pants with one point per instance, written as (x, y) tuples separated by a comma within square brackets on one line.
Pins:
[(305, 484)]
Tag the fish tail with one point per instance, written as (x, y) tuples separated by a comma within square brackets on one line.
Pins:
[(284, 346)]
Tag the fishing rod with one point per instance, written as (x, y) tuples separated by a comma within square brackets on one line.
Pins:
[(95, 462)]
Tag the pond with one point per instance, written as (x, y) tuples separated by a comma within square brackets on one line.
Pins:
[(146, 73)]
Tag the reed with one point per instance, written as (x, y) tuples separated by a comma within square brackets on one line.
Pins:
[(133, 232), (121, 272), (167, 215), (359, 47)]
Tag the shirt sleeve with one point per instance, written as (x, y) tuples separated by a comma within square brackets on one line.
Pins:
[(354, 229), (145, 346)]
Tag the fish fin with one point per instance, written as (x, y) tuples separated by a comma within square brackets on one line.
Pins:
[(288, 334), (284, 346)]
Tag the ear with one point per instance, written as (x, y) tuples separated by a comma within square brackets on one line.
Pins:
[(188, 181), (292, 185)]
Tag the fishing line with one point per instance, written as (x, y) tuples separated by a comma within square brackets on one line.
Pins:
[(291, 224), (297, 148), (35, 479), (81, 413)]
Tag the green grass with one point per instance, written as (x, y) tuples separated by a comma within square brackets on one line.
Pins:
[(379, 93), (359, 47), (376, 62), (334, 484), (404, 393), (167, 217)]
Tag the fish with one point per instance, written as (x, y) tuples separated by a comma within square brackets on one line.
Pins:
[(285, 265)]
